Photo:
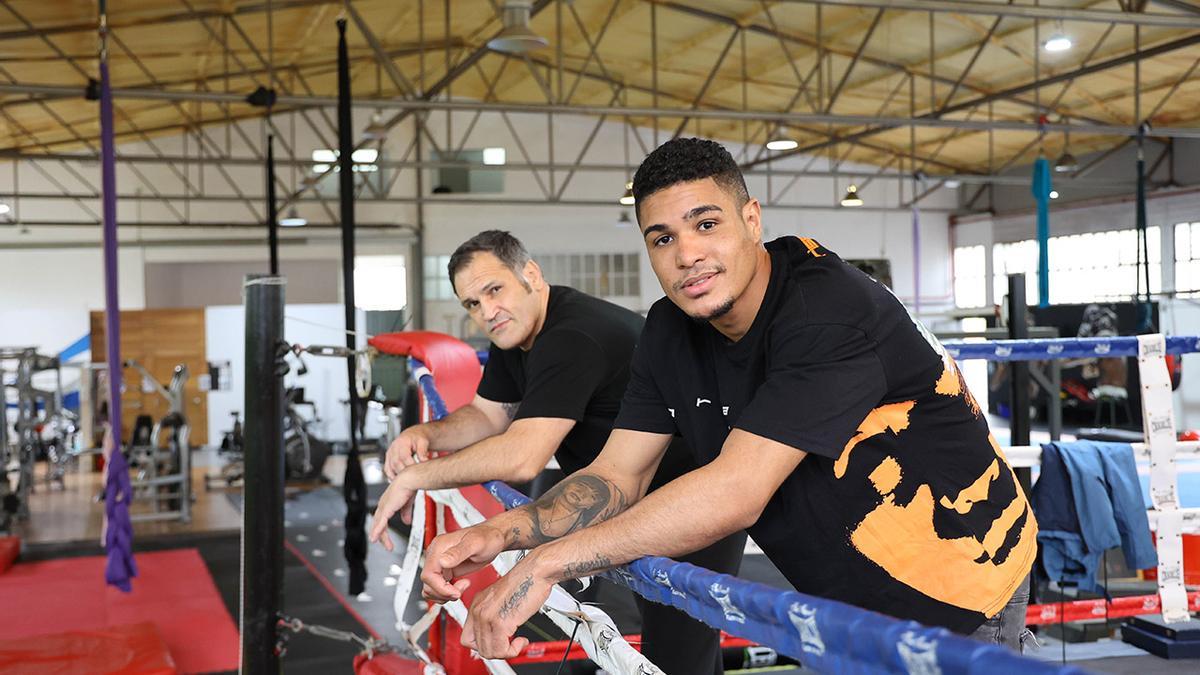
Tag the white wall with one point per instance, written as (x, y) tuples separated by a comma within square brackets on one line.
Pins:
[(46, 295), (325, 384)]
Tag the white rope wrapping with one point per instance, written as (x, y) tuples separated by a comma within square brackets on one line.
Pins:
[(1158, 423), (599, 638)]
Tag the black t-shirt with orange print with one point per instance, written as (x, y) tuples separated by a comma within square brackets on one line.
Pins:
[(905, 504)]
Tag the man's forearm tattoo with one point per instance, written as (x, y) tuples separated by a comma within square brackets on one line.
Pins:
[(513, 601), (577, 502), (510, 409), (574, 570)]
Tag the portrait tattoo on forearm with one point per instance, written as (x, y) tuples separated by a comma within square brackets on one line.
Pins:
[(513, 601), (574, 504)]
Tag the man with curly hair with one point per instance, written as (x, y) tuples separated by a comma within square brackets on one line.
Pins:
[(827, 422)]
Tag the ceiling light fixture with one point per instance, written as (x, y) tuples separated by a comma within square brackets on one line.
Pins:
[(1067, 162), (377, 130), (781, 141), (293, 219), (1058, 42), (628, 199), (1054, 194), (852, 199), (517, 37)]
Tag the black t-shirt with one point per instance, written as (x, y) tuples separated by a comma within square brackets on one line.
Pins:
[(577, 369), (905, 504)]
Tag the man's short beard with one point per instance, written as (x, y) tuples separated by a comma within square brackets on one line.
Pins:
[(717, 313)]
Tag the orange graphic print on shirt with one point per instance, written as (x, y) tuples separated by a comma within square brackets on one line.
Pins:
[(902, 539)]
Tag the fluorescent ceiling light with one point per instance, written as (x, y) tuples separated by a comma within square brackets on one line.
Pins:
[(1058, 43), (320, 168), (4, 209), (494, 156), (360, 156), (953, 184)]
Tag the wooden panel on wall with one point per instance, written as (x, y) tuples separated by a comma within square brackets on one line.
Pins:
[(159, 339)]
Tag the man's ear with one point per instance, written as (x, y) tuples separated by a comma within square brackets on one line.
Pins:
[(752, 215), (532, 274)]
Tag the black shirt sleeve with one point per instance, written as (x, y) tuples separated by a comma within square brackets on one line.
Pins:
[(498, 383), (821, 383), (564, 370), (643, 407)]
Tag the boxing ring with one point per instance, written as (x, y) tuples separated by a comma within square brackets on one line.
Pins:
[(824, 635)]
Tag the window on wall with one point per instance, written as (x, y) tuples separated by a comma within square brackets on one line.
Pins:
[(437, 284), (1187, 259), (604, 275), (380, 283), (1083, 267), (970, 276), (1019, 257), (1102, 265)]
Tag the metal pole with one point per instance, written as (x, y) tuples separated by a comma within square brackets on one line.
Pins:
[(416, 301), (272, 212), (262, 512), (1018, 329)]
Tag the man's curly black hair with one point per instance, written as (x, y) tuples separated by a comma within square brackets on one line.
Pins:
[(682, 160)]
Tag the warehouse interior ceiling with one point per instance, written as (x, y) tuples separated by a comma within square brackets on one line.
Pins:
[(945, 88)]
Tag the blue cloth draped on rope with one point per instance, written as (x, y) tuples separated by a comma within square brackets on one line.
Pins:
[(827, 636), (1041, 193), (1087, 499)]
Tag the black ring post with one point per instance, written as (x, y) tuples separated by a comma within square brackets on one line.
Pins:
[(354, 487), (1018, 329), (262, 508)]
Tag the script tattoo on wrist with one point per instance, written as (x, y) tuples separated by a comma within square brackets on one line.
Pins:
[(575, 503), (513, 601), (574, 570)]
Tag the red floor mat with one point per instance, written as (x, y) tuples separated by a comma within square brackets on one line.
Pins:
[(137, 649), (173, 590)]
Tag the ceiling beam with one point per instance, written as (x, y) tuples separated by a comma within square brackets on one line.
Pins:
[(1052, 13), (408, 106), (116, 22), (1008, 93)]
